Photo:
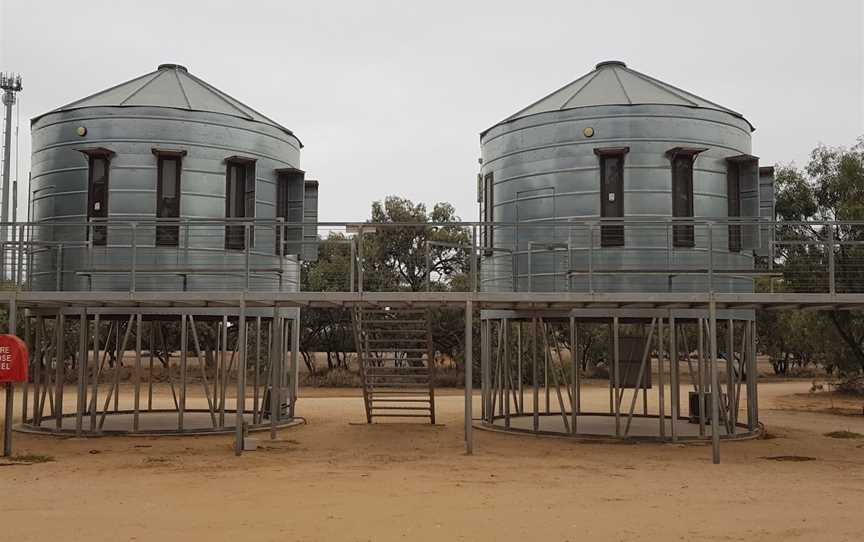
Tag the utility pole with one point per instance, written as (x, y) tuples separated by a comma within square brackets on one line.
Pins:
[(10, 84)]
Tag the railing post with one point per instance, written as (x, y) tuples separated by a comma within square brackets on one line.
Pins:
[(30, 258), (133, 279), (710, 257), (13, 252), (428, 268), (89, 264), (284, 236), (832, 286), (246, 243), (351, 265), (472, 264), (770, 255), (771, 249), (360, 259), (280, 239), (20, 268), (59, 283), (591, 257), (90, 245), (278, 234), (669, 248), (187, 224)]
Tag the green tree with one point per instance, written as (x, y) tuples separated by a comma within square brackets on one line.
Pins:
[(432, 249), (402, 251), (395, 249), (797, 339), (327, 330), (830, 187)]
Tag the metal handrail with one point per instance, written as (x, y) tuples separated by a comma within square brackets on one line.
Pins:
[(29, 240), (659, 220)]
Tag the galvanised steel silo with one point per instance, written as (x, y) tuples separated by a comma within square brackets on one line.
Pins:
[(617, 143), (164, 145)]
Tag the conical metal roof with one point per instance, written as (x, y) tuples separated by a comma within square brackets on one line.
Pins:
[(613, 83), (171, 85)]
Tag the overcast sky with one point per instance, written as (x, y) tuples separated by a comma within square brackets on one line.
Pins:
[(389, 97)]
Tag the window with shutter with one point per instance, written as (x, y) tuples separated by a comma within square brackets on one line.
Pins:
[(611, 194), (98, 161), (290, 194), (168, 172), (239, 200), (488, 210), (683, 158), (742, 182), (733, 190)]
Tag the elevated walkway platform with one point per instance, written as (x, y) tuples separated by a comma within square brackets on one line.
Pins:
[(540, 301)]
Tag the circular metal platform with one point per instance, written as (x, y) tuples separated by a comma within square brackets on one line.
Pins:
[(150, 423), (603, 426)]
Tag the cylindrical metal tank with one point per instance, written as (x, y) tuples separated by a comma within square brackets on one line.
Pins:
[(165, 109), (542, 164)]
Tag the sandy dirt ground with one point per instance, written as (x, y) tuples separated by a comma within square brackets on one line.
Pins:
[(337, 478)]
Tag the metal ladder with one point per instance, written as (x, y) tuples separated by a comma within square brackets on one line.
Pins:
[(396, 362)]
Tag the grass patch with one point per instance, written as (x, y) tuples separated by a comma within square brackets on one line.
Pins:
[(794, 458), (156, 460), (31, 458), (844, 434), (334, 378)]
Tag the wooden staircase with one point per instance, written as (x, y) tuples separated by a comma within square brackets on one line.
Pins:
[(396, 362)]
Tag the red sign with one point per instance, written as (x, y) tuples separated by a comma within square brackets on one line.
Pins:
[(13, 359)]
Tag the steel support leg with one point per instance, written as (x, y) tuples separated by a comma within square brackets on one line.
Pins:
[(136, 400), (469, 378), (730, 381), (59, 368), (9, 389), (81, 405), (715, 383), (615, 378), (521, 406), (486, 372), (295, 363), (752, 379), (700, 375), (181, 411), (661, 379), (94, 392), (546, 364), (256, 417), (240, 407), (673, 377), (534, 374), (508, 377), (275, 370), (574, 377)]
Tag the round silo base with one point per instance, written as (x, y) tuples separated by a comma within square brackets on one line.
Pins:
[(161, 370), (642, 373), (602, 427), (157, 423)]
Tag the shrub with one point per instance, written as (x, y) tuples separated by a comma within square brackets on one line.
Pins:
[(853, 384), (334, 378)]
